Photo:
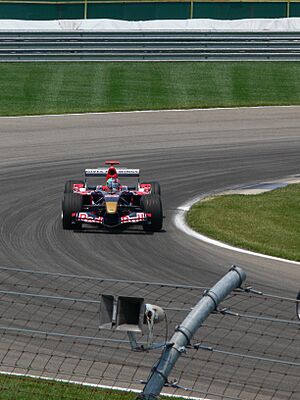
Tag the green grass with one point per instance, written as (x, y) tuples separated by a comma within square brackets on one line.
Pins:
[(37, 88), (267, 223), (23, 388)]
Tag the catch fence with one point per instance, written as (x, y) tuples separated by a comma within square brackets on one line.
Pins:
[(49, 327)]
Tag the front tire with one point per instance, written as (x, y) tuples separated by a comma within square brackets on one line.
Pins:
[(72, 203), (152, 204)]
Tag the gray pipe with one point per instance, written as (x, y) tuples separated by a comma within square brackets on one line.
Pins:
[(184, 332)]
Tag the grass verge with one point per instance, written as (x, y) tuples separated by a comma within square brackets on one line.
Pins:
[(267, 223), (44, 88), (24, 388)]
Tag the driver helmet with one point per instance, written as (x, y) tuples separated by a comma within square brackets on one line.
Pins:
[(113, 184)]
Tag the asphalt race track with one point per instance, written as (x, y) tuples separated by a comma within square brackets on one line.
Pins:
[(189, 153)]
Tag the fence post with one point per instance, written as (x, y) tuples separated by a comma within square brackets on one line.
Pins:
[(192, 9), (85, 9), (184, 332)]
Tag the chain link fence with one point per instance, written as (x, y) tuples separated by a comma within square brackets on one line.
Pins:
[(49, 326)]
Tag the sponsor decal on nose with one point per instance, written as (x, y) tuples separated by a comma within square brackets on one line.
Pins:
[(111, 207)]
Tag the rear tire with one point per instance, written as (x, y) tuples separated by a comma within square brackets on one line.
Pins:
[(72, 203), (69, 185), (152, 204)]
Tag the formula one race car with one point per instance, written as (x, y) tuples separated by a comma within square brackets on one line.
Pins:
[(112, 205)]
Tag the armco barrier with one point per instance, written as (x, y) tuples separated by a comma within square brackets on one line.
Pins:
[(150, 46), (135, 10)]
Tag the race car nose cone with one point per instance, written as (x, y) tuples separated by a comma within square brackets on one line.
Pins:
[(111, 207)]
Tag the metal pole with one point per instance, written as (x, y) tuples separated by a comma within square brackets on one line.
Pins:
[(184, 332), (85, 9), (192, 9), (288, 9)]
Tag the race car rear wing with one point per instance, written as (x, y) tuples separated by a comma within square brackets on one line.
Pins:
[(124, 172)]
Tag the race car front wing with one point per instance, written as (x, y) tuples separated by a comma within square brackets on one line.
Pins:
[(91, 218)]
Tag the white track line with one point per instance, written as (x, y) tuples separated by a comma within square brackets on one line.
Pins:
[(144, 111), (180, 223), (45, 378)]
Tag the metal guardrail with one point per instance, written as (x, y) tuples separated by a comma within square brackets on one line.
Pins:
[(149, 46)]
